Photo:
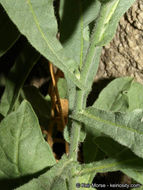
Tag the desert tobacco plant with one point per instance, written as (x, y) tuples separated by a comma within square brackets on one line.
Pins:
[(112, 126)]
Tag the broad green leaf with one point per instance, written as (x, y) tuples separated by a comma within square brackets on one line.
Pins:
[(125, 128), (114, 96), (22, 147), (8, 33), (41, 106), (36, 20), (17, 76), (71, 31), (90, 11), (134, 96), (55, 179), (115, 150), (122, 94), (124, 160), (107, 22), (111, 164), (74, 33)]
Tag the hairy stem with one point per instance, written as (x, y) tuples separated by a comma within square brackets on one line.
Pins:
[(75, 136)]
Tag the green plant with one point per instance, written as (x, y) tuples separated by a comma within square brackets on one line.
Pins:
[(113, 124)]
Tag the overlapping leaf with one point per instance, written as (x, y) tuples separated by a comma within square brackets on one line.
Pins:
[(54, 179), (22, 147), (120, 95), (109, 16), (115, 150), (36, 20), (74, 31), (41, 106), (17, 76), (114, 96)]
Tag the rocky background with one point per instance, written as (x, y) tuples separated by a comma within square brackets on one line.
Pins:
[(124, 55)]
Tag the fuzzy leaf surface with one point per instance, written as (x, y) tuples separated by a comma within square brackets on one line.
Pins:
[(54, 179), (36, 20), (125, 128), (22, 147), (120, 95), (107, 22), (116, 150), (112, 164)]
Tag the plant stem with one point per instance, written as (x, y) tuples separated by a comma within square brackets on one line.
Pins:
[(75, 136), (76, 126)]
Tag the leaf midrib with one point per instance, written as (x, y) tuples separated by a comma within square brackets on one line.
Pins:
[(43, 35), (106, 166), (109, 122)]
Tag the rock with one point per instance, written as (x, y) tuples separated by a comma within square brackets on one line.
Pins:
[(124, 55)]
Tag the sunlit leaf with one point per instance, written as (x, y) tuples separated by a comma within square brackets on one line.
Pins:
[(125, 128)]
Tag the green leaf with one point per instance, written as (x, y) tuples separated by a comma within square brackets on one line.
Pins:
[(120, 95), (55, 179), (90, 11), (111, 164), (8, 32), (72, 32), (17, 76), (41, 106), (115, 150), (114, 96), (125, 128), (22, 148), (123, 160), (107, 22), (134, 96), (36, 20)]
